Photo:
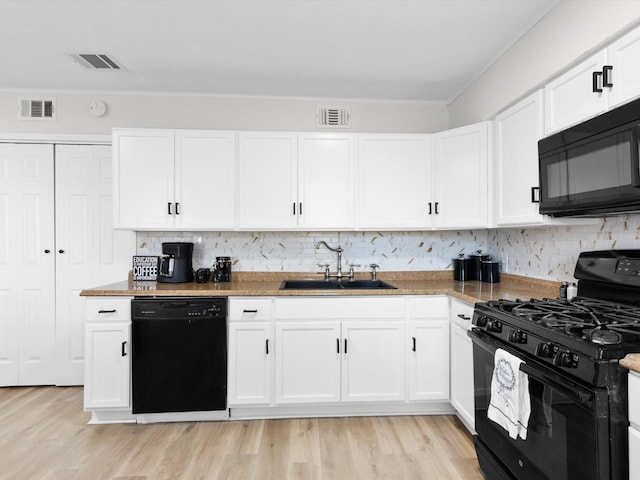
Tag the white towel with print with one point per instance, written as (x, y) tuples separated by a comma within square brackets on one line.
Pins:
[(510, 405)]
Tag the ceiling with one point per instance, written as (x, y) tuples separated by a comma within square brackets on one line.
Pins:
[(423, 50)]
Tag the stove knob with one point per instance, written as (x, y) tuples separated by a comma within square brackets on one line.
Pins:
[(493, 326), (480, 321), (544, 350), (517, 336), (562, 359)]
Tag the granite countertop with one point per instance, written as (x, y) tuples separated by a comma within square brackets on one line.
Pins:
[(407, 283), (631, 362)]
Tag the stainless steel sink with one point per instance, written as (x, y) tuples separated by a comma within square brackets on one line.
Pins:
[(335, 285)]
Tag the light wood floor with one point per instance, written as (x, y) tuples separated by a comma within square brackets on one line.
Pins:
[(44, 435)]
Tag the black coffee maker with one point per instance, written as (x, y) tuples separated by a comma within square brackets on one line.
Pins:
[(176, 263)]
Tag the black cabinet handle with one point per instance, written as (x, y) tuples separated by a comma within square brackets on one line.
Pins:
[(267, 346), (606, 77), (177, 208), (463, 316), (300, 208), (594, 80), (47, 251), (294, 208), (437, 212), (107, 311), (345, 346), (338, 345), (250, 311), (124, 351), (430, 211), (414, 344), (169, 208), (535, 194)]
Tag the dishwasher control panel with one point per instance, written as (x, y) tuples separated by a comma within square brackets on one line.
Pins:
[(179, 308)]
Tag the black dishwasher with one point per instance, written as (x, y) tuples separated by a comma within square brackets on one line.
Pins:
[(179, 354)]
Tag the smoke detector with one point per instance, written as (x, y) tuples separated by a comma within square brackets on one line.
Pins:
[(333, 117)]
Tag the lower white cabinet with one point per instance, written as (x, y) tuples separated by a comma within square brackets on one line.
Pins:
[(251, 351), (634, 426), (462, 396), (429, 348), (107, 349)]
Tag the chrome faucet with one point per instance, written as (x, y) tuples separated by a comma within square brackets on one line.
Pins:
[(327, 273)]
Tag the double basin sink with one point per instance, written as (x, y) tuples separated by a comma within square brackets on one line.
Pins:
[(335, 285)]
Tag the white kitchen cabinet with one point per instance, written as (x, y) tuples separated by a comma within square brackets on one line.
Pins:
[(88, 251), (429, 348), (27, 265), (634, 425), (326, 181), (339, 349), (108, 347), (373, 361), (614, 72), (394, 181), (460, 176), (251, 351), (267, 180), (462, 396), (517, 131), (174, 180)]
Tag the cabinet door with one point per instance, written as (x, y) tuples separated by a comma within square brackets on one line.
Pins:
[(634, 453), (623, 56), (517, 132), (429, 359), (267, 179), (394, 181), (27, 263), (570, 99), (107, 366), (373, 361), (460, 177), (462, 374), (88, 250), (326, 184), (143, 176), (250, 363), (205, 180), (307, 362)]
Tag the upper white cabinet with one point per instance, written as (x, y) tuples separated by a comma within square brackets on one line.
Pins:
[(394, 181), (460, 177), (289, 181), (607, 79), (267, 177), (517, 131), (174, 180)]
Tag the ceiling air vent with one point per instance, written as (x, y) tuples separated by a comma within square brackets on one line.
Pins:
[(98, 61), (334, 117), (37, 109)]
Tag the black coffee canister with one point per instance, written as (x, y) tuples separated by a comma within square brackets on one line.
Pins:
[(475, 266), (461, 268), (490, 271)]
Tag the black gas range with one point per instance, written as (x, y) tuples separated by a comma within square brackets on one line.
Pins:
[(570, 352)]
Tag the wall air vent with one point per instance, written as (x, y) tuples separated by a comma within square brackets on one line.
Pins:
[(333, 117), (37, 109), (99, 61)]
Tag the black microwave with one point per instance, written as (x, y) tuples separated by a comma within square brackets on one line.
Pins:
[(592, 168)]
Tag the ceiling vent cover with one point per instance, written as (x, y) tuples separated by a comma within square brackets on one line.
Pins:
[(98, 61), (37, 109), (334, 117)]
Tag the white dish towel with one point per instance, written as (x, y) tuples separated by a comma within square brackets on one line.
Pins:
[(510, 405)]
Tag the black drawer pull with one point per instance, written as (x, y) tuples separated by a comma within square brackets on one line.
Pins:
[(107, 311), (124, 351), (246, 310), (463, 316)]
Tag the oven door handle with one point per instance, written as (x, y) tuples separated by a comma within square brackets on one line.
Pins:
[(563, 385)]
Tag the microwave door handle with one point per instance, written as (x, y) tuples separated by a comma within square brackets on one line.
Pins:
[(635, 156)]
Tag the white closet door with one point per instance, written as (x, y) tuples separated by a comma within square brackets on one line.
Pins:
[(27, 288), (89, 252)]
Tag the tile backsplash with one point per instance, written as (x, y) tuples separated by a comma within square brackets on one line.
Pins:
[(545, 252)]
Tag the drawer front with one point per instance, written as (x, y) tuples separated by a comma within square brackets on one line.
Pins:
[(434, 306), (250, 308), (634, 453), (351, 308), (108, 309), (461, 314), (634, 399)]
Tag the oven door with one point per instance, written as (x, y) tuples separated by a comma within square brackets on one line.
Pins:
[(567, 433)]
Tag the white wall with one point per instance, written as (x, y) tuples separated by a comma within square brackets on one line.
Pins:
[(211, 112), (570, 32)]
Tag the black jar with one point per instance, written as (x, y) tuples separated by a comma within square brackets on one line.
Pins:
[(461, 268), (475, 264), (490, 270)]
